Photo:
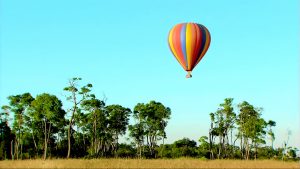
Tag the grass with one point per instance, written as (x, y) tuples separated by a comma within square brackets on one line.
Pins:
[(145, 163)]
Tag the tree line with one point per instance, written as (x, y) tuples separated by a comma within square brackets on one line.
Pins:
[(85, 127)]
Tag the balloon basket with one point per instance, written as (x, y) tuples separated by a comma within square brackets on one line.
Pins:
[(189, 75)]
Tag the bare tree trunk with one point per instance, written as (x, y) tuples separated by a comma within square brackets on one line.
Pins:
[(69, 138), (69, 131), (211, 140), (210, 146), (116, 145), (21, 151), (163, 146), (71, 122), (242, 148), (12, 150), (225, 143), (49, 132), (231, 137), (255, 154), (140, 147), (35, 146), (95, 135), (148, 143), (19, 138), (17, 149), (220, 146), (45, 140), (247, 149)]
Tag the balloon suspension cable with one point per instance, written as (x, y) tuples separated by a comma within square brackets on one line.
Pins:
[(189, 75)]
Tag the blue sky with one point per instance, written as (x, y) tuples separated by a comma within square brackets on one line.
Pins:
[(121, 48)]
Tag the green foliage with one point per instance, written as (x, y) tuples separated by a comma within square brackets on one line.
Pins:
[(76, 97), (48, 116), (19, 104), (222, 123), (5, 137), (251, 127), (118, 118), (203, 149), (184, 148), (151, 122), (125, 151)]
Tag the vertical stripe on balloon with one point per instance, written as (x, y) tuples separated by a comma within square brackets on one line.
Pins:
[(183, 43), (190, 38)]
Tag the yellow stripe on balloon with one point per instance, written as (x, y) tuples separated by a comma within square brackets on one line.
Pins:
[(189, 45), (172, 47)]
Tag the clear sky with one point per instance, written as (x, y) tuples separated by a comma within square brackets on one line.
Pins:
[(121, 48)]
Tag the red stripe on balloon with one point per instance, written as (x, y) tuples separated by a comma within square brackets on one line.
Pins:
[(199, 36)]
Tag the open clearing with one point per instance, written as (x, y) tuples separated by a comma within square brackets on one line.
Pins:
[(143, 163)]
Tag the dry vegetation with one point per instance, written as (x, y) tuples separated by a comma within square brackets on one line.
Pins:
[(157, 163)]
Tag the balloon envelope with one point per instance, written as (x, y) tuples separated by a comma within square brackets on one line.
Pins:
[(189, 43)]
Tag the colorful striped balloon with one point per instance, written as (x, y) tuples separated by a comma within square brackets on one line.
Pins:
[(189, 43)]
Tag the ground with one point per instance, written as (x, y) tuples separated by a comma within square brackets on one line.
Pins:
[(143, 163)]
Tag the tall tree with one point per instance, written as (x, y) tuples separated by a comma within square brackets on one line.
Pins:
[(212, 134), (19, 104), (224, 123), (95, 123), (47, 110), (153, 116), (285, 144), (137, 132), (204, 147), (271, 134), (251, 127), (5, 133), (118, 118), (76, 96)]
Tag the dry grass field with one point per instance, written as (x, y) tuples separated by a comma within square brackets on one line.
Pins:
[(157, 163)]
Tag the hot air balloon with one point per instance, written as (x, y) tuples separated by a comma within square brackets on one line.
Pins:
[(189, 43)]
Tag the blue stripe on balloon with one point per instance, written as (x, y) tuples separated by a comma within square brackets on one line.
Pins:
[(203, 39), (183, 43)]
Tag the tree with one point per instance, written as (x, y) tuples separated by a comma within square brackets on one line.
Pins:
[(75, 96), (118, 118), (204, 147), (95, 123), (19, 104), (212, 133), (224, 119), (137, 132), (285, 144), (251, 127), (292, 152), (153, 118), (47, 110), (270, 131), (5, 133), (184, 147)]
